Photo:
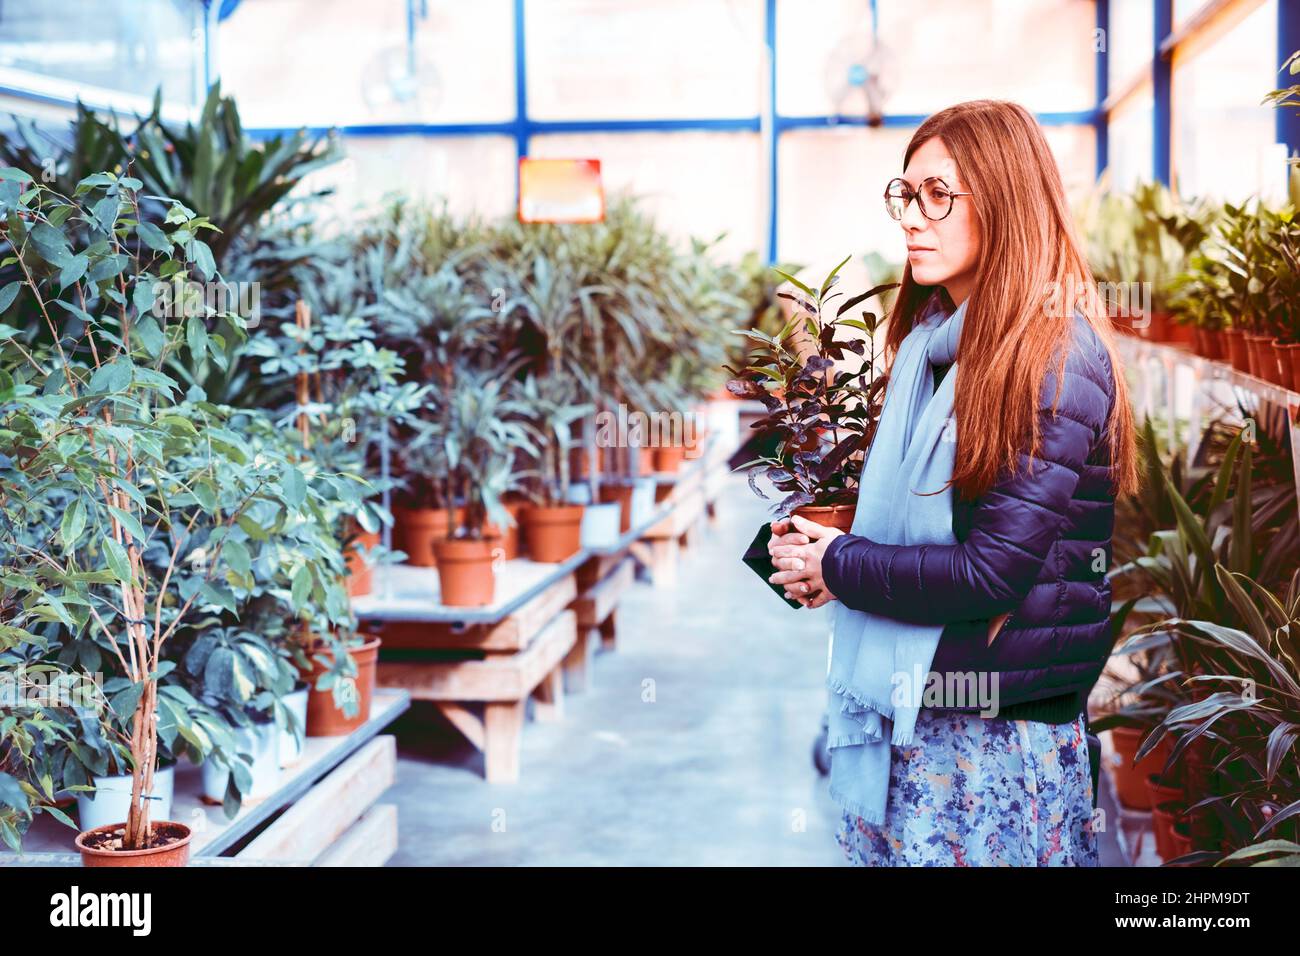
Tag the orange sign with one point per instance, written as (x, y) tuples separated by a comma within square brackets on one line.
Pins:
[(560, 190)]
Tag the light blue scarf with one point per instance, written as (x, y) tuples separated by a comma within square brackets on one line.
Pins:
[(913, 451)]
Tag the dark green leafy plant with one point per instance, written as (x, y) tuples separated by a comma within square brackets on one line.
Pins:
[(820, 416)]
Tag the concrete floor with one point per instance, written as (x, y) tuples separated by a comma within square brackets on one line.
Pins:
[(691, 746)]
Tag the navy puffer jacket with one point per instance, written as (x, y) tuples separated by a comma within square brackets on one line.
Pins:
[(1036, 545)]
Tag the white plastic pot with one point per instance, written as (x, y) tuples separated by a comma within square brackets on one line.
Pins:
[(262, 743), (600, 525), (111, 801), (290, 747), (643, 500)]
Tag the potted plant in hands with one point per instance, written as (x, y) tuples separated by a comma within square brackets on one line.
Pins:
[(552, 524), (820, 417), (92, 416), (484, 431)]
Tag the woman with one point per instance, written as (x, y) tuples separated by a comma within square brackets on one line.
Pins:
[(989, 487)]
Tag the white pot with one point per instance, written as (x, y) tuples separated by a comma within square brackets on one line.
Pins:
[(111, 801), (290, 742), (600, 525), (643, 500), (262, 743), (580, 493)]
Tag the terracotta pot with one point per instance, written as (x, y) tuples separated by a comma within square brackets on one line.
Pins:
[(1216, 345), (668, 458), (1172, 332), (1207, 343), (622, 496), (174, 853), (553, 534), (465, 574), (835, 516), (1238, 354), (416, 529), (1293, 356), (1255, 345), (1281, 363), (510, 534), (361, 573), (324, 719), (1130, 780), (1268, 361), (1180, 840), (663, 490), (580, 463), (1153, 326), (1164, 816), (1198, 342), (1162, 791), (645, 462)]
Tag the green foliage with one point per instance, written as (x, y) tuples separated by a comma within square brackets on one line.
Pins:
[(821, 417), (132, 507)]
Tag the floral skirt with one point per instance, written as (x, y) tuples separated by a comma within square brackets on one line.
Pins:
[(976, 791)]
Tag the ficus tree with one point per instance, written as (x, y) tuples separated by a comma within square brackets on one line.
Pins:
[(163, 511)]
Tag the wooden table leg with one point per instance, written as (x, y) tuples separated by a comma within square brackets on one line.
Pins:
[(663, 558), (607, 631), (577, 670), (503, 725), (548, 697)]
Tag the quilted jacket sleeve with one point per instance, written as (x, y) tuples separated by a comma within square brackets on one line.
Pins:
[(1013, 526)]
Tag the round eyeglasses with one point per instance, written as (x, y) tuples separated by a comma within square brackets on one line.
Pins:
[(934, 197)]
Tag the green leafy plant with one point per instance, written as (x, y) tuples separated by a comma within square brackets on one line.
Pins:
[(820, 416), (155, 490)]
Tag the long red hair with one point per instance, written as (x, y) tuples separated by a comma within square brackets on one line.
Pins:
[(1029, 250)]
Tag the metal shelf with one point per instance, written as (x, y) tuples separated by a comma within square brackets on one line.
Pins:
[(1207, 376)]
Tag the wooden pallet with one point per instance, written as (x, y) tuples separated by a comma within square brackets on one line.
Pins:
[(502, 683), (326, 806), (337, 822), (604, 581)]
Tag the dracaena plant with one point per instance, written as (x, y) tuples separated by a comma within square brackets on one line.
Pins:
[(1248, 712), (822, 389), (552, 405), (486, 429), (162, 510)]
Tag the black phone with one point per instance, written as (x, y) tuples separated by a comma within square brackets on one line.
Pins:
[(760, 562)]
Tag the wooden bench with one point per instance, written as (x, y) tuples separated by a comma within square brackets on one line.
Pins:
[(602, 582), (324, 810), (499, 657)]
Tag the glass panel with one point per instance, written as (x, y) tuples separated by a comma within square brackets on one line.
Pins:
[(831, 188), (1130, 41), (832, 183), (1184, 10), (1037, 52), (1130, 143), (1216, 97), (129, 46), (476, 174), (325, 62), (646, 59), (694, 184)]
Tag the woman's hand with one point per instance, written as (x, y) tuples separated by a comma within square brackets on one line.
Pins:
[(797, 555)]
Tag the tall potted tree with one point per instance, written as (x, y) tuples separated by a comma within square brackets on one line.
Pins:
[(154, 478)]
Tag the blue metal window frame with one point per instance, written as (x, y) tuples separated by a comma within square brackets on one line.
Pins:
[(522, 128), (1161, 91)]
